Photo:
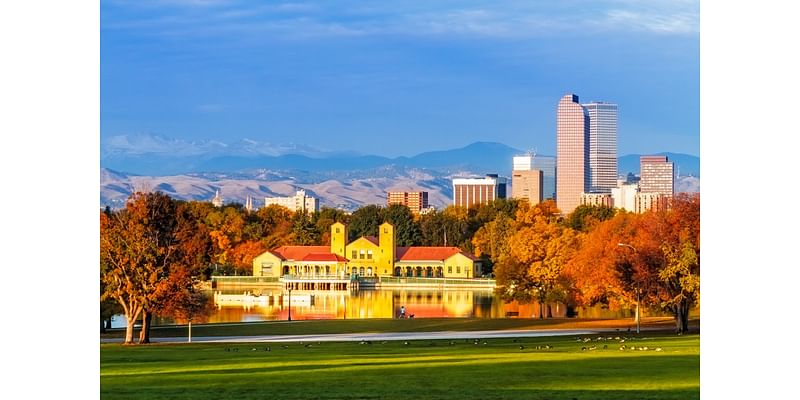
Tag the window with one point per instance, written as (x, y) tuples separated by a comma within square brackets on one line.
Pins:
[(355, 255), (385, 230), (449, 269), (369, 255), (337, 230), (458, 270), (361, 255)]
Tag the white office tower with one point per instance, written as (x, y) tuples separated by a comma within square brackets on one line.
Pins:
[(602, 146)]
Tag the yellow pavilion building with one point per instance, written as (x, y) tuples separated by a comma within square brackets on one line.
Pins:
[(366, 256)]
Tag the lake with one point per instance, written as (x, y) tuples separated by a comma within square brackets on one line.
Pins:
[(272, 304)]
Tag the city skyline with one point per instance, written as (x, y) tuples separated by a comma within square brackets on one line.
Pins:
[(345, 76)]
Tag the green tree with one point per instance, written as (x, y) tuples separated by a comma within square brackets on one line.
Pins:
[(406, 229), (304, 231), (584, 218), (365, 221)]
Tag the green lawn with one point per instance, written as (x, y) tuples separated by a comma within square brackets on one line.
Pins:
[(392, 370)]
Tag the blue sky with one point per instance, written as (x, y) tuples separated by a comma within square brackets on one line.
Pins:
[(398, 78)]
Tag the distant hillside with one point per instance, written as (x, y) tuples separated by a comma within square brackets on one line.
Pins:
[(340, 180)]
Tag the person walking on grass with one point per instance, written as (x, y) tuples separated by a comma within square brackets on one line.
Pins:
[(402, 311)]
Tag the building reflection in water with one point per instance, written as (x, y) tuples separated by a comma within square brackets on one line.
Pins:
[(258, 305)]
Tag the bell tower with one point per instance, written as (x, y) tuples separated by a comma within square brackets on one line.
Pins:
[(338, 239), (386, 240)]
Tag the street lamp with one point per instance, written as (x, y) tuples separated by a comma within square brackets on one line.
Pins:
[(637, 287), (290, 301)]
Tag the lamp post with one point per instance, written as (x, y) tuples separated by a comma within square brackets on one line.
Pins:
[(290, 301), (637, 288)]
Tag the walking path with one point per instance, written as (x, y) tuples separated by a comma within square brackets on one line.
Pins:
[(345, 337)]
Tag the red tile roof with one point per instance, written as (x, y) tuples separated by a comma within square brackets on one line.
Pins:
[(373, 239), (306, 253), (322, 253), (324, 257), (425, 253)]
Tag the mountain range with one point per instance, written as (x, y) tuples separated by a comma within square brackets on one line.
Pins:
[(348, 180)]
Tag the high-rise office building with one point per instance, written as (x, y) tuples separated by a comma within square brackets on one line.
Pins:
[(526, 182), (572, 153), (415, 201), (602, 146), (656, 175), (470, 191)]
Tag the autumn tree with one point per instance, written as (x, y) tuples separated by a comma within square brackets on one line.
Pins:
[(602, 272), (491, 240), (277, 225), (676, 234), (136, 246), (179, 298), (539, 249)]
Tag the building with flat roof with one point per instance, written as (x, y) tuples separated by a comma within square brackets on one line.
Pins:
[(624, 195), (656, 175), (470, 191), (602, 146), (526, 182), (415, 201), (298, 202)]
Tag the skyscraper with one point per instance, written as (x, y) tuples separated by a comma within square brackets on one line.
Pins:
[(602, 146), (572, 153)]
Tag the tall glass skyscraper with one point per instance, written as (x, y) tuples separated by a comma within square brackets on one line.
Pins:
[(602, 146), (572, 153)]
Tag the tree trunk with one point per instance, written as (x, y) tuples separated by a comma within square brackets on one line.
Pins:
[(129, 329), (144, 334), (102, 326), (190, 331), (685, 317), (681, 312), (108, 323)]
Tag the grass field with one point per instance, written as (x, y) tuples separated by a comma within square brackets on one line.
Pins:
[(422, 369)]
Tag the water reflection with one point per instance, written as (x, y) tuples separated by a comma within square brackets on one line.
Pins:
[(264, 304), (274, 304)]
